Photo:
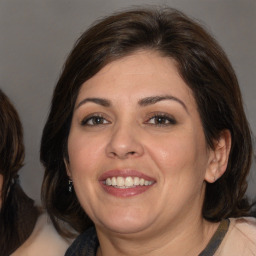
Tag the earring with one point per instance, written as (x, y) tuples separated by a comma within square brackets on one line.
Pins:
[(70, 186)]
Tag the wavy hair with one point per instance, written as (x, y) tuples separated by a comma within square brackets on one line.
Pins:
[(18, 214)]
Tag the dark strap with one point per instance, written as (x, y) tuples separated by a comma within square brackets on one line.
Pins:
[(216, 240), (85, 244)]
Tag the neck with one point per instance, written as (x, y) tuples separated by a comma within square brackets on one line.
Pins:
[(181, 238)]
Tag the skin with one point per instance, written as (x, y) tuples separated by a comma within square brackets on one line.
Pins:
[(166, 219)]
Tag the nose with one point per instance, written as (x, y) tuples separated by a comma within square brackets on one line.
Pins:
[(124, 143)]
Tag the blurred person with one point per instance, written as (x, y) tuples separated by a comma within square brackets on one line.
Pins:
[(24, 229)]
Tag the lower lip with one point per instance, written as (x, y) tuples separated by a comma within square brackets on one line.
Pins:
[(125, 192)]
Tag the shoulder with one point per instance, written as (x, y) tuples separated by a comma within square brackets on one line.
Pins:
[(244, 227), (240, 238), (43, 241), (85, 244)]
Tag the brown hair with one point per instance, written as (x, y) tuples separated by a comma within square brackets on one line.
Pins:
[(204, 67), (18, 214)]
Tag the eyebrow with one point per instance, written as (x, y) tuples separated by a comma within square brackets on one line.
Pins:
[(100, 101), (142, 102), (153, 100)]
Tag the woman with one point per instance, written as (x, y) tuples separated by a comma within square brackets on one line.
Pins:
[(22, 230), (147, 148)]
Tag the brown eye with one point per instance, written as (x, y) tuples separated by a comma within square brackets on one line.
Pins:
[(161, 120), (94, 121)]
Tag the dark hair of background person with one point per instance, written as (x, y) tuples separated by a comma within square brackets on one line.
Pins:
[(18, 215), (201, 63)]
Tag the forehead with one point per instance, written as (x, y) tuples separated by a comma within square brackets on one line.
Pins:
[(141, 74), (141, 62)]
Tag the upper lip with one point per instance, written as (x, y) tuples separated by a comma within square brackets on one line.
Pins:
[(124, 173)]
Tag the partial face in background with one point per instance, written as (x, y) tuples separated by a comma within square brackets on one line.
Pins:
[(137, 151), (1, 187)]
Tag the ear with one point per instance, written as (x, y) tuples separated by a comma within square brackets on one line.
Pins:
[(67, 168), (218, 159)]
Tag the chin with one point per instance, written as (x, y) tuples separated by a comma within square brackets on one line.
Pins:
[(125, 228), (125, 223)]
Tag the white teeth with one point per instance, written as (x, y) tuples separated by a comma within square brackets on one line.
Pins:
[(108, 181), (142, 181), (136, 181), (127, 182), (120, 181), (113, 181)]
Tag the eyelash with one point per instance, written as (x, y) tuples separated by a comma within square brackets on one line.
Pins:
[(92, 118), (165, 118)]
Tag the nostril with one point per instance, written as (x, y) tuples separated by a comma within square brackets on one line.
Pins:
[(124, 155), (113, 153)]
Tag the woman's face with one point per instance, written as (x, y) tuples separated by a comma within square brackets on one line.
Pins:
[(137, 152)]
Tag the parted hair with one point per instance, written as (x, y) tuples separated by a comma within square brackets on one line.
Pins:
[(204, 67), (18, 213)]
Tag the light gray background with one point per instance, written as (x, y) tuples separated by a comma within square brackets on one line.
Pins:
[(37, 35)]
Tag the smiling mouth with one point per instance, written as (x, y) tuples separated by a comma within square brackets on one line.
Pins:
[(127, 182)]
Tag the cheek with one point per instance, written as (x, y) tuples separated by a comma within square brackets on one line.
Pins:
[(171, 150), (84, 153), (84, 159), (180, 153)]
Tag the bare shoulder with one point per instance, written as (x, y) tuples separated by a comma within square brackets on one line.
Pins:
[(43, 241)]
